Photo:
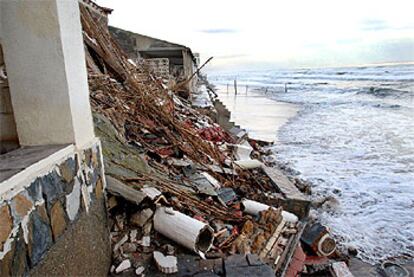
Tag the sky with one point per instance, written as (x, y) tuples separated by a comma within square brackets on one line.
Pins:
[(274, 33)]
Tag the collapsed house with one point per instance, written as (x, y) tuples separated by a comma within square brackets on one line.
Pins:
[(165, 59), (185, 196), (164, 190)]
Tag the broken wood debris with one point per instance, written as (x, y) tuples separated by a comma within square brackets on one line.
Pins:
[(199, 189)]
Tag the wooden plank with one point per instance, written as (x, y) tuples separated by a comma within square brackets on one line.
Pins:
[(290, 250), (272, 240)]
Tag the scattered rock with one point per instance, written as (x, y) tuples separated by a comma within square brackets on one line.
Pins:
[(165, 264), (120, 243), (169, 249), (151, 192), (352, 250), (139, 270), (124, 265), (147, 228), (112, 202), (140, 218), (133, 235), (129, 248), (145, 241)]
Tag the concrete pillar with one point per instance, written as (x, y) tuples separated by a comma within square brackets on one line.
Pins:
[(45, 60)]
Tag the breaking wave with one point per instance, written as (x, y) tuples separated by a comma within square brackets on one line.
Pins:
[(353, 139)]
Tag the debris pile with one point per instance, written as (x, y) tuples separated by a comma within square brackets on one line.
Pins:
[(202, 199)]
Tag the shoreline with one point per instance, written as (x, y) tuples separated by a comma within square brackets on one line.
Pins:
[(244, 112), (284, 112)]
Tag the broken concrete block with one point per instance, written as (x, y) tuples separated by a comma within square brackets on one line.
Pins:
[(145, 241), (340, 269), (133, 235), (118, 188), (129, 247), (227, 195), (140, 218), (213, 181), (237, 265), (151, 192), (139, 270), (120, 243), (295, 201), (112, 202), (147, 228), (248, 164), (124, 265), (165, 264)]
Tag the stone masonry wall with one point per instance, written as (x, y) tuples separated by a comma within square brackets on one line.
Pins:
[(34, 219)]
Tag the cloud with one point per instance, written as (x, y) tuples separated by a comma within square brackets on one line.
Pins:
[(235, 56), (219, 31), (395, 50), (374, 25)]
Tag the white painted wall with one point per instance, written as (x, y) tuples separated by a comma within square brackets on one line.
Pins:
[(43, 50)]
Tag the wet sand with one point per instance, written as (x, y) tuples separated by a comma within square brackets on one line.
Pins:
[(259, 115)]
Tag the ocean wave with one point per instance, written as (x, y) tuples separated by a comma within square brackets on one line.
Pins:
[(383, 92)]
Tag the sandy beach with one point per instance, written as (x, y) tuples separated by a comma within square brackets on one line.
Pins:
[(259, 115)]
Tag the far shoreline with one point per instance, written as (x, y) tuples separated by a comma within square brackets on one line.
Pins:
[(244, 112)]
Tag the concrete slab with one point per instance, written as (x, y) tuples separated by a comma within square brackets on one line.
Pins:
[(15, 161)]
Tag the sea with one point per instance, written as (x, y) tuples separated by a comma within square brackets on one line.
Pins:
[(352, 139)]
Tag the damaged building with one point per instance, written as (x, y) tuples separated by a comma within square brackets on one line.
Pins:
[(105, 172), (164, 58)]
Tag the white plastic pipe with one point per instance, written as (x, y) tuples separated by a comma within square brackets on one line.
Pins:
[(187, 231), (254, 208)]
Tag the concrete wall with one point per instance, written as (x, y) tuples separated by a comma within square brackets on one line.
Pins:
[(189, 70), (8, 133), (43, 49), (54, 223)]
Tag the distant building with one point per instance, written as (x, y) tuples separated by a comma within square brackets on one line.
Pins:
[(160, 55)]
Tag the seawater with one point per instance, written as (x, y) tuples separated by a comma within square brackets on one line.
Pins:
[(352, 139)]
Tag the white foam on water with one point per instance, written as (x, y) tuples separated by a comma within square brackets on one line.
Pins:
[(353, 138)]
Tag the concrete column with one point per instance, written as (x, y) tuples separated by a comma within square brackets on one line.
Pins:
[(45, 60)]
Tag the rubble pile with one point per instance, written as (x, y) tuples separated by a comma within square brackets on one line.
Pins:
[(202, 200)]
